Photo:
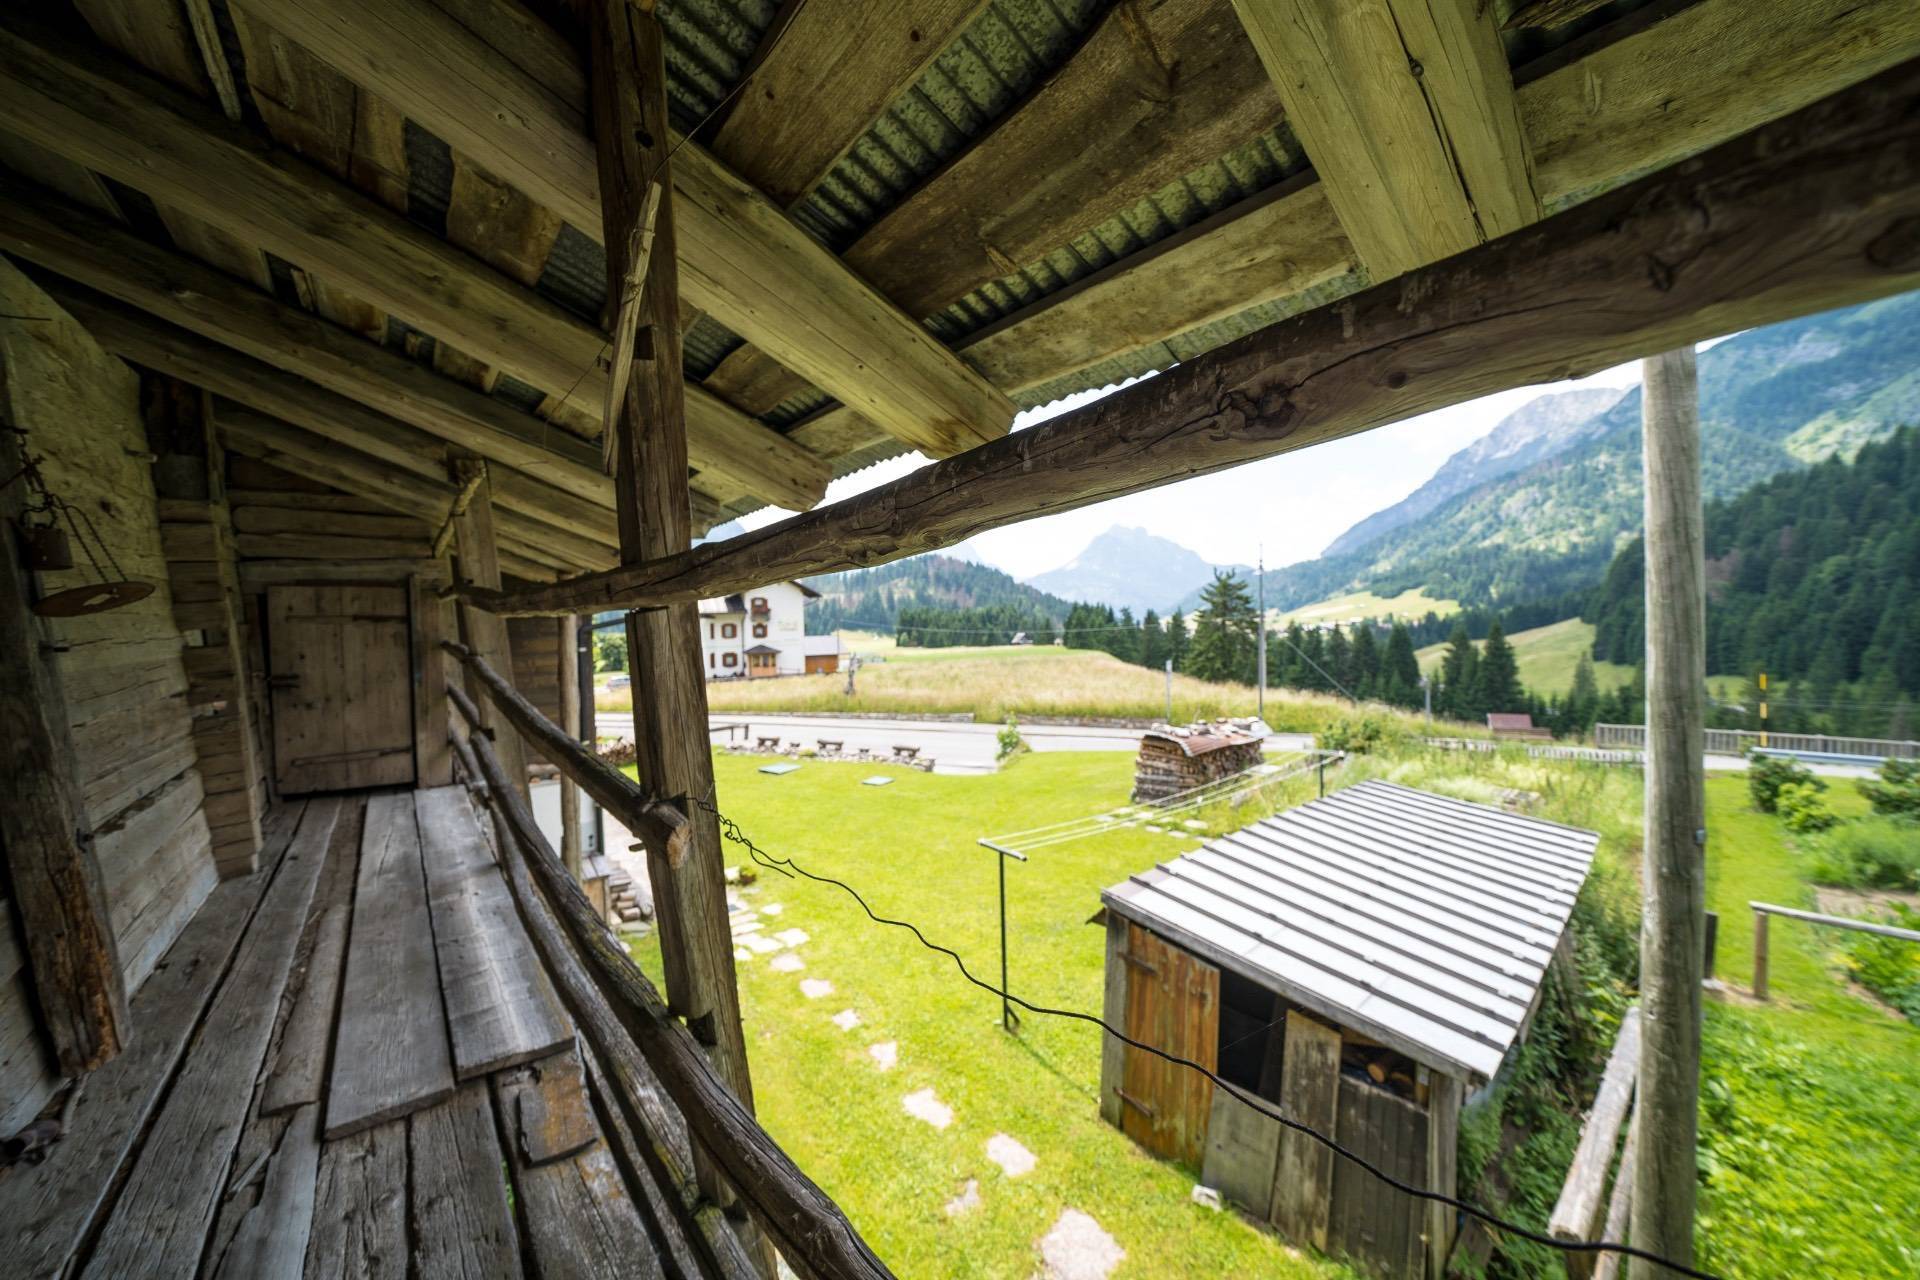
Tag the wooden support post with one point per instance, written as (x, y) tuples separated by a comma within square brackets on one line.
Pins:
[(1672, 932), (1443, 1174), (1759, 955), (55, 881), (570, 721), (478, 562), (1113, 1054), (671, 745)]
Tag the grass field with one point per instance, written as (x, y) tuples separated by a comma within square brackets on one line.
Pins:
[(1547, 657), (995, 683), (1413, 604), (1808, 1111)]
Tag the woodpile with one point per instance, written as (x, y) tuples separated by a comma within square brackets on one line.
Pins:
[(1173, 760)]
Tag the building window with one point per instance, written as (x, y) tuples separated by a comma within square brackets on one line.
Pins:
[(728, 631), (727, 658), (709, 660), (759, 631), (759, 604), (709, 631)]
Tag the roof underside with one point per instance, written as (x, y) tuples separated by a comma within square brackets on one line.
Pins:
[(1422, 921), (1063, 193)]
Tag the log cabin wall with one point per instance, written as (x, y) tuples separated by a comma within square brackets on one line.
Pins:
[(536, 663), (125, 683)]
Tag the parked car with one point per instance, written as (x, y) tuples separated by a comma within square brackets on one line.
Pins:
[(619, 682)]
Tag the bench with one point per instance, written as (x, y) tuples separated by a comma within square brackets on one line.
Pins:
[(766, 744), (904, 753), (830, 745)]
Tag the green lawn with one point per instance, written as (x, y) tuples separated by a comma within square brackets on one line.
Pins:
[(910, 847), (1547, 657), (1412, 604), (1811, 1104)]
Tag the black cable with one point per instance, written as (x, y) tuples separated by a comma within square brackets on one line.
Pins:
[(788, 867)]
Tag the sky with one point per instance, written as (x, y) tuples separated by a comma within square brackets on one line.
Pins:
[(1287, 507)]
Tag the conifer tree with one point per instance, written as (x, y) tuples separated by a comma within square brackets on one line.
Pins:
[(1499, 678), (1459, 677), (1224, 631), (1153, 641), (1366, 662), (1179, 640), (1400, 669)]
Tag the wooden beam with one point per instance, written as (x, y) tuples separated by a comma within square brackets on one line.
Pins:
[(93, 251), (1674, 866), (571, 852), (1155, 92), (1818, 210), (476, 563), (1548, 13), (672, 749), (1407, 110), (833, 69), (744, 261), (58, 896), (140, 132)]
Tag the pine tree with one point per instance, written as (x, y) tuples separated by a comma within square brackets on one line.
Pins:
[(1153, 641), (1499, 678), (1366, 662), (1459, 677), (1224, 631), (1179, 640), (1125, 643), (1400, 669), (1583, 699)]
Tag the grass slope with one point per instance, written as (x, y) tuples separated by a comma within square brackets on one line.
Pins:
[(1413, 604), (1547, 657)]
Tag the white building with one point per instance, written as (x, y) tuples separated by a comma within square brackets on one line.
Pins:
[(763, 632)]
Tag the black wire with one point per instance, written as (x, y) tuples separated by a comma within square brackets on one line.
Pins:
[(788, 867)]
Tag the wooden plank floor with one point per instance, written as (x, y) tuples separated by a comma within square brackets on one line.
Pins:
[(207, 1154)]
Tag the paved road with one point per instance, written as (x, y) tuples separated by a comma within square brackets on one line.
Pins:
[(955, 747)]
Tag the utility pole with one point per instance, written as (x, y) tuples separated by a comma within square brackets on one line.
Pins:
[(1169, 691), (1260, 659), (1673, 921), (1763, 708), (1426, 691)]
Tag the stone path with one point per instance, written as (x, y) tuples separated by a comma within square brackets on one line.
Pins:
[(787, 962), (815, 988), (1078, 1249), (791, 937), (967, 1201), (922, 1105), (885, 1054), (1013, 1158), (846, 1019)]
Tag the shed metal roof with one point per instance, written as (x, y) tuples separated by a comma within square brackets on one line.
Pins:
[(1422, 921)]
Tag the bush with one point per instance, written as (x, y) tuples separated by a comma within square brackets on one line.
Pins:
[(1872, 853), (1009, 738), (1767, 774), (1361, 733), (1897, 793), (1889, 967), (1801, 808)]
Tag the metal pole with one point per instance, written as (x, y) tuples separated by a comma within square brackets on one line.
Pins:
[(1169, 691), (1261, 658), (1426, 689), (1323, 779), (1009, 1020)]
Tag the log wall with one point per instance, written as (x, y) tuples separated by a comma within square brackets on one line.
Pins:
[(536, 663), (125, 683)]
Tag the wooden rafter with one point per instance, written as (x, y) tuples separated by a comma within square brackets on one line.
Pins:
[(1408, 113), (743, 260), (1817, 210), (84, 107)]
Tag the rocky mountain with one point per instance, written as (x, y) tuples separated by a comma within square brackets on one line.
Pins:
[(1771, 400), (1534, 432), (874, 597), (1130, 568)]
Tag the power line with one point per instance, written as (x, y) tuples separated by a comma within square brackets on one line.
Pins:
[(788, 867)]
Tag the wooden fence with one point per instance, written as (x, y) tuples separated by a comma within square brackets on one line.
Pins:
[(1737, 742), (1576, 1216), (1762, 910)]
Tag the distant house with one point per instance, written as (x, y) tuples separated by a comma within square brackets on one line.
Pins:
[(1021, 637), (764, 633), (1515, 724)]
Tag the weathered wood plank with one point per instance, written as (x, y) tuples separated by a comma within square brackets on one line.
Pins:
[(1442, 1169), (1576, 1215), (390, 1053), (1242, 1148), (1809, 212), (270, 1240), (462, 1225), (477, 562), (161, 1221), (1113, 1053), (581, 1220), (501, 1008), (1309, 1093), (48, 1207), (300, 1065), (548, 1110), (360, 1207)]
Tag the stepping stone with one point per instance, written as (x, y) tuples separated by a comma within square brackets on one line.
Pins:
[(886, 1054), (1013, 1158), (922, 1105), (771, 909), (791, 937), (759, 943), (1078, 1249), (877, 780), (786, 962), (846, 1019), (1194, 824), (967, 1201), (778, 770), (742, 954), (814, 988)]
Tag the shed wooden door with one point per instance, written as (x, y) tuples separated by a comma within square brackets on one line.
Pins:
[(339, 668), (1173, 1003)]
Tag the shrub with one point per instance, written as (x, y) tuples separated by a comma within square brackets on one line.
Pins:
[(1889, 967), (1361, 733), (1009, 738), (1801, 808), (1767, 774), (1872, 853), (1897, 792)]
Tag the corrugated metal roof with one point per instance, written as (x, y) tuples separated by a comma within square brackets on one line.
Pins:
[(1423, 921)]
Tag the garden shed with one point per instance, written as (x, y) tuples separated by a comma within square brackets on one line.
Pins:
[(1363, 962)]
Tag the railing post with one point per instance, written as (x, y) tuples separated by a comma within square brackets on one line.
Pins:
[(1759, 954)]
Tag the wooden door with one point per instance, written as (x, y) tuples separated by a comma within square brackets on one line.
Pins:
[(338, 665), (1173, 1003)]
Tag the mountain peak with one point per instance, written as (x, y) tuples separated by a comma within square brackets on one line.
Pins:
[(1127, 566)]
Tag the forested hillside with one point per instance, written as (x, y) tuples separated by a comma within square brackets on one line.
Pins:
[(1771, 399), (1814, 577), (877, 598)]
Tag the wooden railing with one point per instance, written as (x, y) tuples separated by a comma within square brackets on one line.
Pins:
[(1761, 910), (623, 1017), (1576, 1216), (1737, 742)]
